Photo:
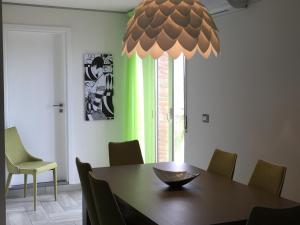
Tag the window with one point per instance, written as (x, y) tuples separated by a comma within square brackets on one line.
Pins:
[(170, 103)]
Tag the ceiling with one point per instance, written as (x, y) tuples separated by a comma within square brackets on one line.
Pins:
[(109, 5)]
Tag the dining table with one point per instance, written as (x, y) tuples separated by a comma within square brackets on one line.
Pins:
[(206, 200)]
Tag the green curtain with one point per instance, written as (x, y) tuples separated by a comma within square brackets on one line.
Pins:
[(130, 100), (139, 104), (149, 108)]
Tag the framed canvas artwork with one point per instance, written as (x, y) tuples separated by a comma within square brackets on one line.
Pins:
[(98, 85)]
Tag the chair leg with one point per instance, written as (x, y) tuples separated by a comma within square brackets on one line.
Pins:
[(25, 185), (55, 183), (34, 190), (8, 182)]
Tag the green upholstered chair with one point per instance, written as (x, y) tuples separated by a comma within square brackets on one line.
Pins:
[(125, 153), (108, 211), (268, 216), (19, 161), (83, 171), (222, 163), (268, 177)]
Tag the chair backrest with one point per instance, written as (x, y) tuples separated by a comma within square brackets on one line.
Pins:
[(222, 163), (107, 208), (268, 177), (14, 150), (125, 153), (267, 216), (83, 171)]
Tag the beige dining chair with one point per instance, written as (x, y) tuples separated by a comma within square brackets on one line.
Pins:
[(268, 177), (125, 153), (222, 163), (20, 161)]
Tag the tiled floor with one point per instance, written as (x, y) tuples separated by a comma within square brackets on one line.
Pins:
[(65, 211)]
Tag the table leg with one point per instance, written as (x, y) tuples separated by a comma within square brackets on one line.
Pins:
[(85, 215)]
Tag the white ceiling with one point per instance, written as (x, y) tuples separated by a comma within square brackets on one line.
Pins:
[(109, 5)]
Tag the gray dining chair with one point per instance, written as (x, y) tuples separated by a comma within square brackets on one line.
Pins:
[(240, 222), (107, 208), (83, 171), (93, 212), (125, 153), (268, 216)]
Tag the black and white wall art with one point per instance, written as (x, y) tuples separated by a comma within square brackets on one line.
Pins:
[(98, 82)]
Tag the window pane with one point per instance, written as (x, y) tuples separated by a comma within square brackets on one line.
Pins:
[(163, 104), (179, 70)]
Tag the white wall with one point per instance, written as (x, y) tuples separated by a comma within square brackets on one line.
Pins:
[(91, 32), (251, 91)]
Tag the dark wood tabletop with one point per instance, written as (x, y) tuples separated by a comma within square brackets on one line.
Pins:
[(209, 199)]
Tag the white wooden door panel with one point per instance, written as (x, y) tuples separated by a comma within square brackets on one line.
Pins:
[(35, 81)]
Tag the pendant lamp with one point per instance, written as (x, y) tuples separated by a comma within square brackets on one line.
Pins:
[(172, 26)]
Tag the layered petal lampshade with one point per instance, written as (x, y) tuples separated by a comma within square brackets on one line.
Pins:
[(172, 26)]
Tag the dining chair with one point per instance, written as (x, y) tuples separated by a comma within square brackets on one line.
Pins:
[(268, 177), (131, 218), (107, 208), (222, 163), (83, 171), (125, 153), (268, 216), (240, 222), (19, 161)]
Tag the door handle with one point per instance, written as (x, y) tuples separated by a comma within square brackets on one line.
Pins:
[(59, 105)]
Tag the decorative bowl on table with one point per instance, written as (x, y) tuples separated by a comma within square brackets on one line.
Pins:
[(175, 179)]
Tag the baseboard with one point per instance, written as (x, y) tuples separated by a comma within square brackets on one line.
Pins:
[(17, 191), (41, 184)]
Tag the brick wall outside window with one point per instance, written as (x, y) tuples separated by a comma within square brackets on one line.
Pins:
[(163, 108)]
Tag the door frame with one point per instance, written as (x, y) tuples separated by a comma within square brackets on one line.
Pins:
[(2, 158), (65, 33)]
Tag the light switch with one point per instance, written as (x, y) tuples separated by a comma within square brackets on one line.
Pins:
[(205, 118)]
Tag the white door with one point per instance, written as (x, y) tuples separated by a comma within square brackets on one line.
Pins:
[(35, 82)]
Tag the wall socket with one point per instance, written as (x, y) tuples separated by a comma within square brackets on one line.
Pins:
[(205, 118)]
